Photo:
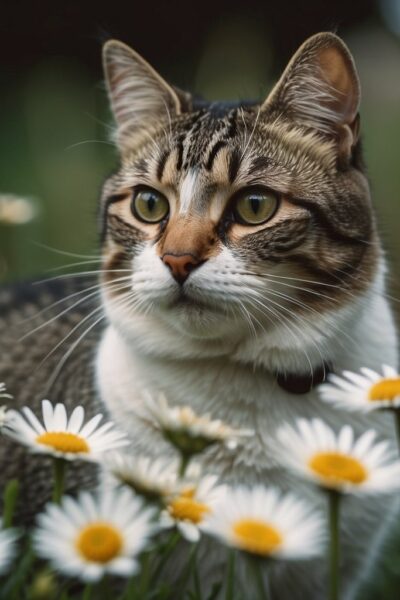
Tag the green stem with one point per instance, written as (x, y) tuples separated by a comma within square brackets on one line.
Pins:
[(145, 576), (130, 590), (185, 459), (105, 588), (87, 592), (195, 574), (166, 552), (59, 466), (10, 499), (397, 423), (334, 505), (258, 576), (13, 586), (186, 573), (230, 576)]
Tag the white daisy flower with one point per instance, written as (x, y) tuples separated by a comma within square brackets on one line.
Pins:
[(3, 391), (3, 409), (151, 478), (338, 461), (365, 392), (4, 416), (8, 539), (188, 510), (16, 210), (63, 437), (90, 536), (189, 432), (264, 522)]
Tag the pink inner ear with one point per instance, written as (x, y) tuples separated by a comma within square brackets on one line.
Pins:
[(337, 72)]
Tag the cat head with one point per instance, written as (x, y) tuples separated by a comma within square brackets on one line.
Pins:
[(232, 220)]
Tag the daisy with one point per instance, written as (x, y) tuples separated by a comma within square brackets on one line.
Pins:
[(338, 461), (8, 539), (151, 478), (3, 409), (365, 392), (3, 416), (189, 432), (3, 391), (62, 437), (188, 510), (90, 536), (266, 523)]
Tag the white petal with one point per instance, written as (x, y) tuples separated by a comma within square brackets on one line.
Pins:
[(47, 410), (76, 419), (59, 418), (189, 531), (34, 421), (90, 426)]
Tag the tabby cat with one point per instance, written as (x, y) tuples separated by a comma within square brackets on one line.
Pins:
[(240, 263)]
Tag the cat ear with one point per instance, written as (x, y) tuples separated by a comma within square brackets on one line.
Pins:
[(138, 95), (320, 89)]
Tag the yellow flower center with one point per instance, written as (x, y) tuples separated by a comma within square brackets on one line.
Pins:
[(335, 467), (63, 441), (257, 536), (99, 542), (186, 508), (386, 389)]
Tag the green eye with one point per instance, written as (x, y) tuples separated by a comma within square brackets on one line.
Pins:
[(149, 206), (255, 207)]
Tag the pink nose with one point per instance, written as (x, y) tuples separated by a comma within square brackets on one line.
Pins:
[(180, 265)]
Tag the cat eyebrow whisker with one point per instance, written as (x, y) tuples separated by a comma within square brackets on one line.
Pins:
[(72, 146), (251, 134), (169, 117)]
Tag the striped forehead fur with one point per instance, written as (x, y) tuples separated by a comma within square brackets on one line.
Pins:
[(282, 145)]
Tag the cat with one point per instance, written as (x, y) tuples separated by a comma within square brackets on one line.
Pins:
[(241, 263)]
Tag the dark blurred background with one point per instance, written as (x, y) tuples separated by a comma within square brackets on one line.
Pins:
[(54, 144)]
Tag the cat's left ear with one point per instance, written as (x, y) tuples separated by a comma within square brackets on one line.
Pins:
[(139, 95), (320, 90)]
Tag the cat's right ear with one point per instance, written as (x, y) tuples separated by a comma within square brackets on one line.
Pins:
[(139, 96), (320, 90)]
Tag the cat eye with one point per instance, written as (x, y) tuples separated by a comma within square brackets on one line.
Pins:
[(254, 207), (149, 205)]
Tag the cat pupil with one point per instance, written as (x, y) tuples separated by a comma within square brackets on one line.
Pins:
[(255, 205), (151, 201)]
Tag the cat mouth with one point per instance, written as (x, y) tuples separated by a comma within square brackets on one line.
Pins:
[(186, 302)]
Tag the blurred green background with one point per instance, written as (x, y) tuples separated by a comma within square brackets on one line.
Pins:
[(54, 143)]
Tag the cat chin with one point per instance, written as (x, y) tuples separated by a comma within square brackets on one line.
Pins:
[(196, 321)]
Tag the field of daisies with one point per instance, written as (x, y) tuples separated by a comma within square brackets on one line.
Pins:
[(119, 541)]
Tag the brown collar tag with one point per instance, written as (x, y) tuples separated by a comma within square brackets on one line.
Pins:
[(297, 383)]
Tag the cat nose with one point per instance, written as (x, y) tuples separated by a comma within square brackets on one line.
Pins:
[(181, 265)]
